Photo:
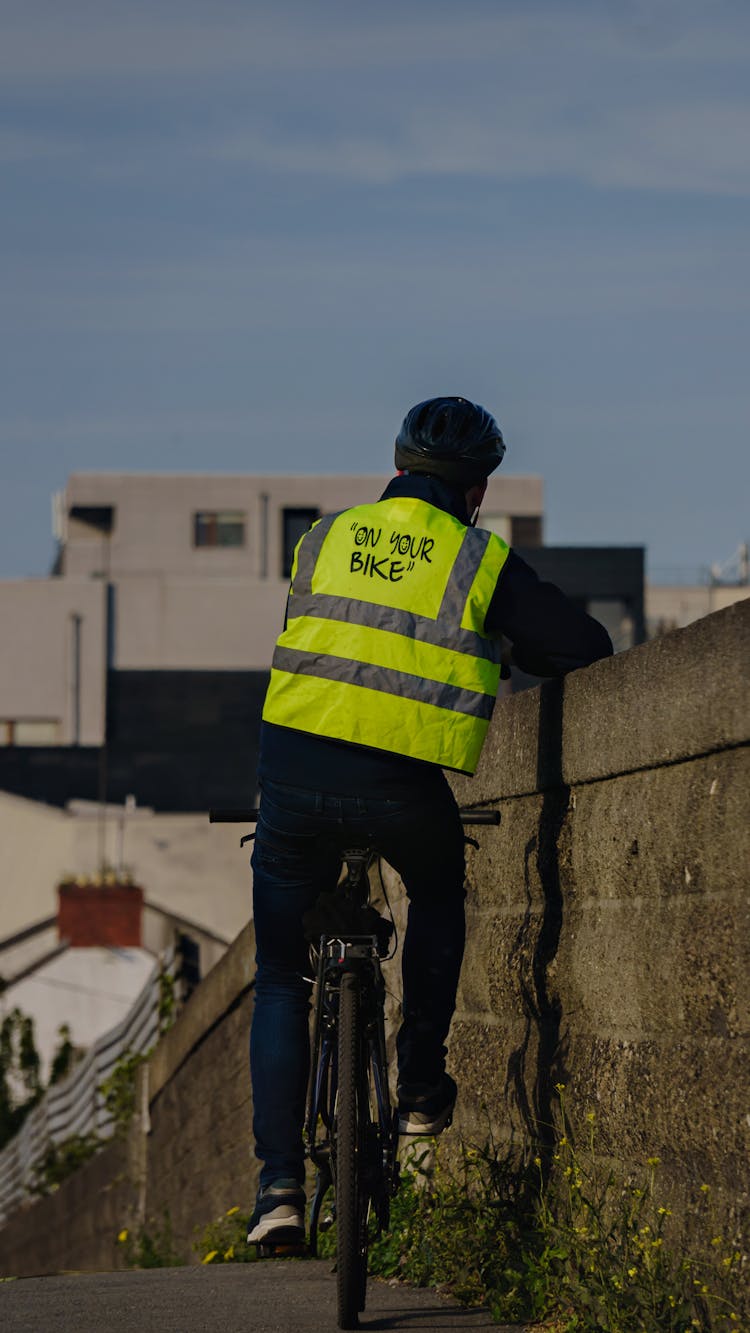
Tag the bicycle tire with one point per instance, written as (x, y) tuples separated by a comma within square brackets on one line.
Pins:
[(351, 1200)]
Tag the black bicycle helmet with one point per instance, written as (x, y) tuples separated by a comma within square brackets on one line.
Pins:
[(450, 438)]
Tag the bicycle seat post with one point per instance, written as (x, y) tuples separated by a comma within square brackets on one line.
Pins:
[(356, 884)]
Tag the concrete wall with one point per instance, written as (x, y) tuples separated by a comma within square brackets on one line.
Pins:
[(188, 1152), (607, 949), (221, 623), (37, 674), (609, 912)]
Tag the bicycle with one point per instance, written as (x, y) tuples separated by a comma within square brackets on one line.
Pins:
[(351, 1126)]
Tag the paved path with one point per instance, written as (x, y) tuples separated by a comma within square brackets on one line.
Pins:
[(270, 1297)]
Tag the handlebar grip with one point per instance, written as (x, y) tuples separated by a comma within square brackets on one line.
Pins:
[(479, 816), (248, 816)]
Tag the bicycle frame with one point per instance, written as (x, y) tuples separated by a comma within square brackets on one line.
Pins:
[(357, 954), (350, 981)]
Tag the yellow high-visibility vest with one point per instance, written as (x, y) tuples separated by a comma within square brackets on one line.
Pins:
[(384, 644)]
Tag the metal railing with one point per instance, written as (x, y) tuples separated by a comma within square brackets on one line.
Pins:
[(75, 1106)]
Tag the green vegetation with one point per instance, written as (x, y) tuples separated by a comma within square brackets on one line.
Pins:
[(118, 1089), (62, 1159), (151, 1246), (224, 1241), (567, 1246), (20, 1082), (21, 1087)]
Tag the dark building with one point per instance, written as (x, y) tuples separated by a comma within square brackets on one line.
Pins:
[(607, 581)]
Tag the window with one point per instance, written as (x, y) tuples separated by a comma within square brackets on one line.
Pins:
[(219, 527), (295, 523), (91, 520)]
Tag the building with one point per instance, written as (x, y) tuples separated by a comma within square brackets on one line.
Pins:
[(673, 605), (172, 573), (156, 631)]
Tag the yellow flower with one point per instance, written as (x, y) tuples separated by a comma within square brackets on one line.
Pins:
[(122, 1237), (656, 1243), (231, 1211), (653, 1161), (537, 1161), (705, 1189), (229, 1254), (632, 1272), (208, 1258), (563, 1141), (591, 1117), (559, 1087)]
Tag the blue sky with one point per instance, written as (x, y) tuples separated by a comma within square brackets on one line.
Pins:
[(248, 236)]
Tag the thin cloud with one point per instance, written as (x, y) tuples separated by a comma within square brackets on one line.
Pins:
[(591, 94), (696, 147)]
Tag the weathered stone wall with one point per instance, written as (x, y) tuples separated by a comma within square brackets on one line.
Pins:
[(76, 1228), (609, 940), (607, 949)]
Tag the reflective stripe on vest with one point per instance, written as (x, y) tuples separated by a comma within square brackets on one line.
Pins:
[(384, 642)]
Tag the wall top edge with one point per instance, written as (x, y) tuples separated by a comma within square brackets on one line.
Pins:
[(676, 698)]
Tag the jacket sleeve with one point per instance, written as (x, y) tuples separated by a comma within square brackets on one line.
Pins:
[(550, 634)]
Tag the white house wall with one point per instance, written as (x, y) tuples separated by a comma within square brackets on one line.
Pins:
[(187, 866), (184, 864), (37, 848), (89, 989)]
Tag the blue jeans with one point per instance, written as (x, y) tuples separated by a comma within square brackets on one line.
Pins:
[(294, 859)]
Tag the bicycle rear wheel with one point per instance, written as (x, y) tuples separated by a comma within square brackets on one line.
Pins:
[(352, 1117)]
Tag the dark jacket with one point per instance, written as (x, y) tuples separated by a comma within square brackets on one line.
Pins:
[(549, 634)]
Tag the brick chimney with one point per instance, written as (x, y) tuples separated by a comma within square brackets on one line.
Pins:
[(109, 916)]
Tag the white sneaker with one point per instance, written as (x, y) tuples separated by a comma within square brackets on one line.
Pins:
[(279, 1216), (425, 1110)]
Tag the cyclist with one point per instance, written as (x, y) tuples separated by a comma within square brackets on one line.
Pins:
[(385, 674)]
